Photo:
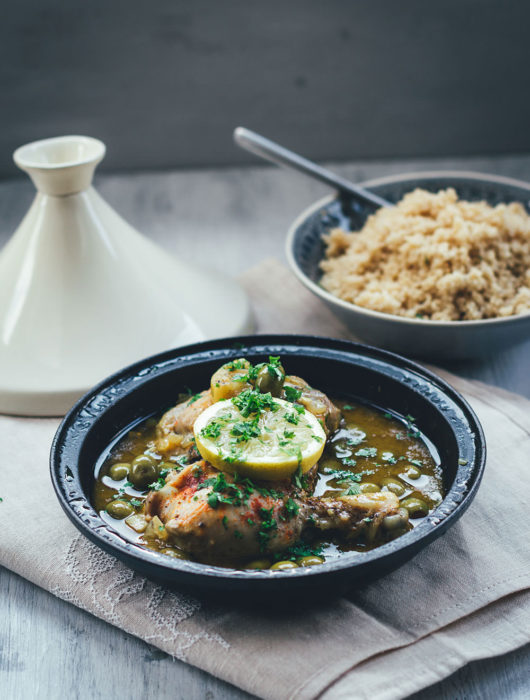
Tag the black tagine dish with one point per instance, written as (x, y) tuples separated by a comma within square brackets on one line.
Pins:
[(348, 371)]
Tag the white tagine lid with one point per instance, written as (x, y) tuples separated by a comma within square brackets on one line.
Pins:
[(83, 294)]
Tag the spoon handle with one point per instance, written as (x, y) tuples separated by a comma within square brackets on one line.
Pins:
[(269, 150)]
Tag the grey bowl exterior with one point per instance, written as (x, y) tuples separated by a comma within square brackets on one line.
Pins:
[(338, 367), (447, 340)]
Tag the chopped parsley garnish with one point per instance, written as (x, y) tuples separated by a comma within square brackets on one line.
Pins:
[(389, 458), (194, 398), (157, 485), (300, 549), (252, 401), (238, 535), (225, 522), (348, 407), (343, 475), (297, 478), (291, 393), (291, 507), (241, 363), (348, 461), (136, 502), (244, 430), (292, 418), (223, 492), (388, 415), (366, 452), (212, 430), (266, 526)]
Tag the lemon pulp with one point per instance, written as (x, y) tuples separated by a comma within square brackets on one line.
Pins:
[(270, 444)]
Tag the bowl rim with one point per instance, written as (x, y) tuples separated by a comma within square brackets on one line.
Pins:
[(515, 319), (202, 352)]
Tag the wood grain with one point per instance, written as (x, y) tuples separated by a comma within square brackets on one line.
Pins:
[(230, 219)]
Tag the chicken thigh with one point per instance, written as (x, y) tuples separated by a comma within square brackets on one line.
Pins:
[(211, 514)]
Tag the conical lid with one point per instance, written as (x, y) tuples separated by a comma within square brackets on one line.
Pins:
[(83, 294)]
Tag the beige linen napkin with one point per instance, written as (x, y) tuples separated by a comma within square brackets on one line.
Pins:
[(464, 597)]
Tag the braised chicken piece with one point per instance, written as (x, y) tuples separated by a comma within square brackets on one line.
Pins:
[(211, 514)]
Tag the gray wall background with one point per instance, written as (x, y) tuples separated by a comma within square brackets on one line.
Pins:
[(163, 83)]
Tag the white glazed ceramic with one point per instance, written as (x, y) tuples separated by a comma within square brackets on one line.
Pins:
[(82, 293), (448, 340)]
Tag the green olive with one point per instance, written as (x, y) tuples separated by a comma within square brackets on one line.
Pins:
[(394, 486), (143, 471), (119, 471), (404, 514), (416, 507), (270, 379), (395, 522), (413, 473), (368, 487), (119, 509), (311, 560), (258, 564), (284, 565), (175, 553)]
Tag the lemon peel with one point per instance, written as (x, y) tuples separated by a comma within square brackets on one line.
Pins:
[(269, 444)]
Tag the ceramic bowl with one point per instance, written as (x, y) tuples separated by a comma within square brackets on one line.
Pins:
[(340, 368), (410, 336)]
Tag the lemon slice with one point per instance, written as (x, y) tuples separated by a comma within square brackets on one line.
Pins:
[(270, 444)]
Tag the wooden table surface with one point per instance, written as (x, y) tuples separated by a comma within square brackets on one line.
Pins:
[(230, 219)]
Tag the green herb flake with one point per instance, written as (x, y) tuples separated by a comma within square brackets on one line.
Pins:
[(366, 452), (300, 549), (389, 458), (349, 462), (245, 430), (241, 363), (251, 401), (225, 522), (194, 398), (291, 507), (348, 407), (343, 475), (212, 430), (291, 393)]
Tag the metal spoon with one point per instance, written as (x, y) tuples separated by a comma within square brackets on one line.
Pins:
[(269, 150)]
